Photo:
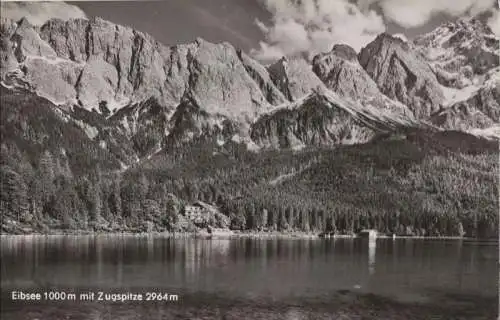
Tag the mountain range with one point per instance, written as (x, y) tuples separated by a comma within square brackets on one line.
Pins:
[(94, 93)]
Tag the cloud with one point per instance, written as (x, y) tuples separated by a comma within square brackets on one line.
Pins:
[(494, 22), (313, 26), (401, 36), (415, 13), (38, 12)]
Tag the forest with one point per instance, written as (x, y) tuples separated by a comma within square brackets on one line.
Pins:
[(394, 186)]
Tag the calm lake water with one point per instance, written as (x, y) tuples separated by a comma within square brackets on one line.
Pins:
[(251, 279)]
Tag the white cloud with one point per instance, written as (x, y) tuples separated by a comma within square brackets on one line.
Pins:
[(38, 12), (313, 26), (414, 13), (494, 22)]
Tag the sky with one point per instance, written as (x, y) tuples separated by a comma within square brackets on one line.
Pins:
[(267, 29)]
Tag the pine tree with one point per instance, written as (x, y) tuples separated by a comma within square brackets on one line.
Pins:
[(115, 200), (14, 200)]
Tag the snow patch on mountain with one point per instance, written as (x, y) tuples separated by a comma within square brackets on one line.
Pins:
[(245, 140), (488, 133), (454, 95), (91, 131), (51, 60)]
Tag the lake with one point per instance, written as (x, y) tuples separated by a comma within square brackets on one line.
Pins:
[(248, 278)]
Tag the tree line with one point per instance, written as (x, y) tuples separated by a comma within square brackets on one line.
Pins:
[(394, 189)]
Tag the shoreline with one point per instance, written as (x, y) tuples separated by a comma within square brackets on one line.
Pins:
[(229, 235)]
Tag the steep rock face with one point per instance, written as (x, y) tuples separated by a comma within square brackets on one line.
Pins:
[(8, 61), (480, 110), (261, 76), (322, 118), (154, 96), (219, 83), (86, 60), (341, 72), (402, 74), (465, 56), (27, 42), (129, 63), (190, 122), (294, 77), (460, 52), (146, 124), (487, 99), (314, 122), (91, 61), (463, 117)]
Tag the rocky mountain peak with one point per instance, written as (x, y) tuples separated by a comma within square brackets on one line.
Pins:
[(90, 61), (387, 40), (402, 74), (340, 70), (460, 52), (345, 52), (24, 23), (155, 93), (294, 77), (262, 77)]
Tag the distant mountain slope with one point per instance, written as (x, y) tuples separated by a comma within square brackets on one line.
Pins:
[(33, 125)]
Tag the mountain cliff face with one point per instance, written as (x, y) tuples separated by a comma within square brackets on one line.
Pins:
[(402, 74), (460, 52), (341, 71), (154, 96), (465, 57), (480, 109), (262, 77), (317, 120), (294, 77), (89, 61)]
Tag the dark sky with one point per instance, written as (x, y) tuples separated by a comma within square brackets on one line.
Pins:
[(180, 21)]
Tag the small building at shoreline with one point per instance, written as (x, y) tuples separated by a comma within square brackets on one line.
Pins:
[(368, 233)]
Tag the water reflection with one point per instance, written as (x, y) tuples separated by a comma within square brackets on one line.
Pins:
[(372, 248), (247, 267)]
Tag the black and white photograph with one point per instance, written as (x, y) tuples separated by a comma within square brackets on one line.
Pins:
[(250, 159)]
